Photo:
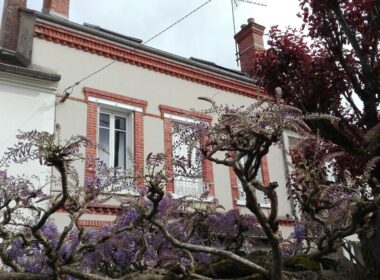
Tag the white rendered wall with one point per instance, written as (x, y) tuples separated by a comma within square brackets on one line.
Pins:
[(154, 87), (24, 107)]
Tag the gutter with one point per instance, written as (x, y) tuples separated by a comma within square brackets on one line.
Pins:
[(22, 71)]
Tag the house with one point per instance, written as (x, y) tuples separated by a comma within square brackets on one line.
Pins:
[(135, 102)]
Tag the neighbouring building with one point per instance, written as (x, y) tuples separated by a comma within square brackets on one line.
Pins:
[(27, 93), (135, 102)]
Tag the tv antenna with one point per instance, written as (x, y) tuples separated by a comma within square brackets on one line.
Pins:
[(234, 5)]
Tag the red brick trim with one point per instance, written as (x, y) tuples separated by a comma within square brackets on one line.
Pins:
[(234, 182), (94, 223), (104, 209), (265, 170), (72, 98), (111, 96), (139, 146), (111, 50), (168, 144), (285, 221), (153, 115), (114, 97), (234, 187), (207, 168), (184, 113), (208, 173), (92, 129)]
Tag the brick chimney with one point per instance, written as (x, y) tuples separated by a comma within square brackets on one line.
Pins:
[(10, 23), (56, 7), (249, 40)]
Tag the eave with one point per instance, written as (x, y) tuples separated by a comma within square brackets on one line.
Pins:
[(80, 37), (31, 73)]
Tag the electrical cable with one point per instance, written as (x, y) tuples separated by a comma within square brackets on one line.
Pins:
[(253, 2), (70, 89)]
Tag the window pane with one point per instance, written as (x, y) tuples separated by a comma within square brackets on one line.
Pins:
[(104, 120), (104, 141), (261, 198), (189, 186), (120, 149), (180, 147), (293, 141), (186, 146), (259, 176), (119, 123)]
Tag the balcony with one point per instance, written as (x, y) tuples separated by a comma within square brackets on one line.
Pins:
[(125, 186), (261, 197), (193, 188)]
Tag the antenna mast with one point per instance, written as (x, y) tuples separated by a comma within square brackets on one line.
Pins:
[(234, 4)]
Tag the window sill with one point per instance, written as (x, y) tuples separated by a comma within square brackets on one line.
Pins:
[(123, 192), (119, 189), (122, 187), (241, 202), (208, 199)]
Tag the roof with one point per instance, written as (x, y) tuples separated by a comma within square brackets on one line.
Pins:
[(9, 57), (137, 44), (101, 29), (10, 64)]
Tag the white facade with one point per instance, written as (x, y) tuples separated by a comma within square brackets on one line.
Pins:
[(136, 89), (26, 104)]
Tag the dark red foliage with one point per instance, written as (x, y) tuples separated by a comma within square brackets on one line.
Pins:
[(331, 66)]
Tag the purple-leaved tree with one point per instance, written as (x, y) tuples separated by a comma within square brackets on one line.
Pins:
[(331, 66)]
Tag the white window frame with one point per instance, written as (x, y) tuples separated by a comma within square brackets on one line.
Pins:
[(262, 200), (113, 105), (122, 110), (129, 145), (285, 136), (180, 119), (288, 161)]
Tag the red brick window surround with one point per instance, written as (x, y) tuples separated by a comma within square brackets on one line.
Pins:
[(235, 184), (94, 223), (172, 115), (99, 100)]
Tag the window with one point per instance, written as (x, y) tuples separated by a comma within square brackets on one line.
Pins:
[(290, 141), (117, 123), (115, 136), (188, 180), (293, 141), (201, 178), (261, 197), (352, 249)]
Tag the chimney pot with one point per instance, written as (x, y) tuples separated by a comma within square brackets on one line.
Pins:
[(10, 23), (242, 26), (251, 20), (56, 7)]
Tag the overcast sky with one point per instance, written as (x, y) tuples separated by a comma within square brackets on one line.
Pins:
[(207, 34)]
